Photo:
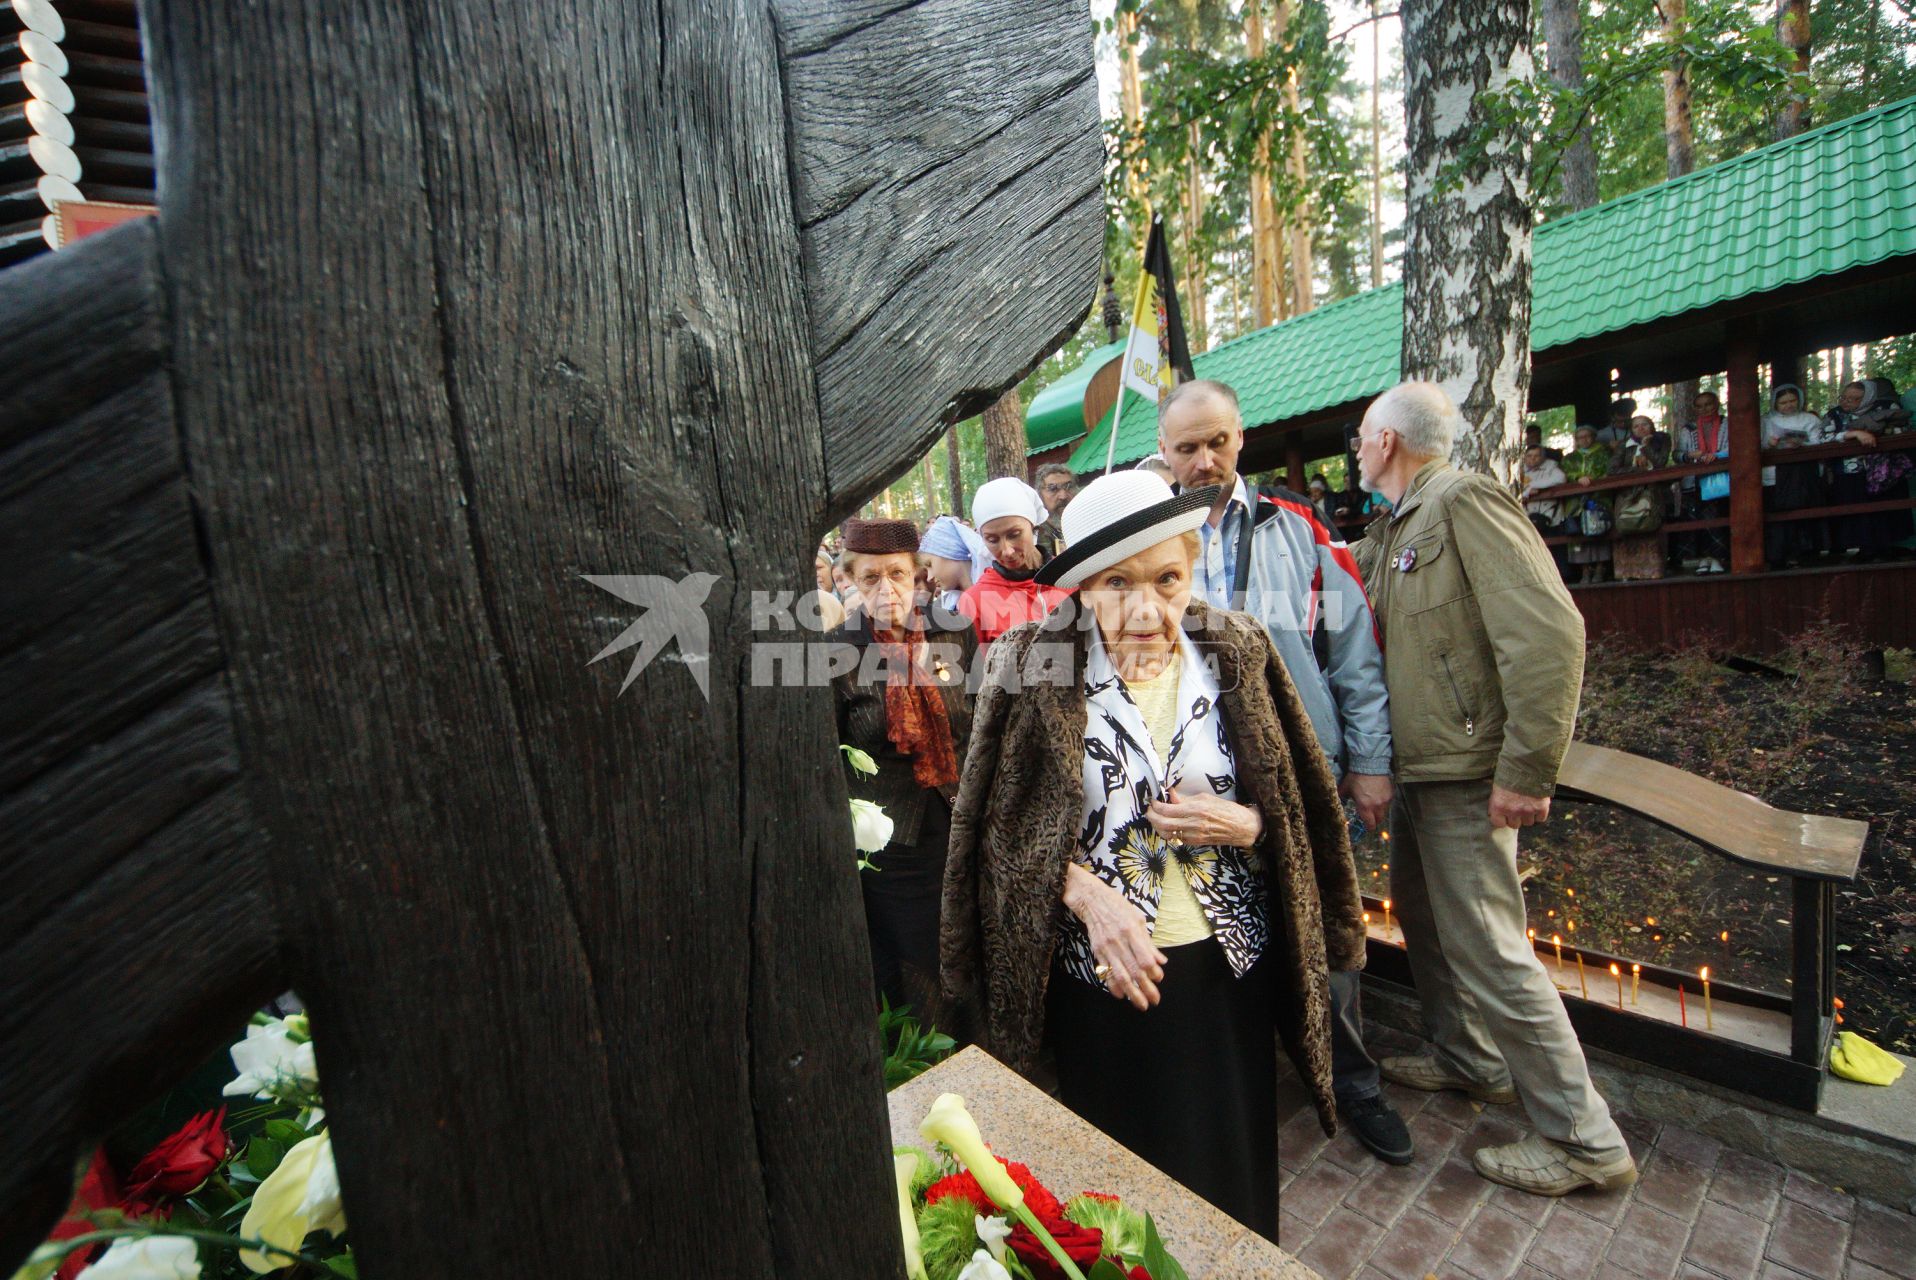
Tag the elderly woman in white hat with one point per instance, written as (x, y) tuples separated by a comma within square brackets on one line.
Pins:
[(1142, 761)]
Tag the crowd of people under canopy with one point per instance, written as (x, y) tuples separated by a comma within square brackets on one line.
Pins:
[(1619, 531)]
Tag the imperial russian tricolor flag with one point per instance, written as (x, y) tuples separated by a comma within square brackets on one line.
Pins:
[(1156, 355)]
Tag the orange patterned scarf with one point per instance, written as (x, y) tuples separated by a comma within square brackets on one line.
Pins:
[(915, 718)]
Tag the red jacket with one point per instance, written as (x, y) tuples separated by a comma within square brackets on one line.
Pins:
[(995, 604)]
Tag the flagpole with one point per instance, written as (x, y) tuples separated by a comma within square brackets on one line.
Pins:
[(1117, 416)]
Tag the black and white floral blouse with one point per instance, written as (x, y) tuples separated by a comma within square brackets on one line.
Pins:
[(1122, 774)]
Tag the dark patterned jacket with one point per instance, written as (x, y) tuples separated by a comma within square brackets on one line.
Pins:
[(950, 645), (1015, 829)]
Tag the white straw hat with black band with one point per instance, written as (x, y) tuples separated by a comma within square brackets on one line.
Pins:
[(1116, 516)]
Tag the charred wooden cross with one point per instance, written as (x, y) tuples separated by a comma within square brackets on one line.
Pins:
[(450, 303)]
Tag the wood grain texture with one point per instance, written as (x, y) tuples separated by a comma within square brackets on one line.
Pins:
[(540, 314), (947, 164), (138, 930), (1733, 823)]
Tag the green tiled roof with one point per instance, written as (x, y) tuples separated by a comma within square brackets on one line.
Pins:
[(1837, 197), (1056, 413)]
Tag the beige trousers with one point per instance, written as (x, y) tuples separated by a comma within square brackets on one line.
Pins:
[(1491, 1008)]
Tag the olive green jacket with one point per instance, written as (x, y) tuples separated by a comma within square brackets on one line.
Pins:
[(1483, 649)]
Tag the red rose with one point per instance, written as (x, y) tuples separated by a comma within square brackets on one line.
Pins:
[(98, 1190), (180, 1163), (1081, 1244), (1040, 1201)]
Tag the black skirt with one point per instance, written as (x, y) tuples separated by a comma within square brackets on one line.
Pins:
[(1191, 1085), (901, 915)]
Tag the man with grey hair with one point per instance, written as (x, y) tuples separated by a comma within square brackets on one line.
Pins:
[(1484, 658), (1057, 485), (1267, 553)]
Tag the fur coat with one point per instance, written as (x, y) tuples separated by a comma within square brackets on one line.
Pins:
[(1014, 829)]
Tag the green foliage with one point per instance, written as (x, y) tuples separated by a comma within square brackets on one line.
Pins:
[(947, 1235), (909, 1051), (1157, 1260), (1123, 1228)]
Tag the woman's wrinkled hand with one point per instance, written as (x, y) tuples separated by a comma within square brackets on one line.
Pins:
[(1205, 818), (1119, 939)]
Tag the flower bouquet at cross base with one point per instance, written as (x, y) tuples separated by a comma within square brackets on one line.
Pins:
[(966, 1214), (204, 1204)]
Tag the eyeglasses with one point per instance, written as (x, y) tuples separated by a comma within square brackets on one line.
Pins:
[(1066, 487)]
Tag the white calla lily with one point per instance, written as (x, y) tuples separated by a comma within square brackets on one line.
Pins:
[(948, 1122), (300, 1196), (904, 1170)]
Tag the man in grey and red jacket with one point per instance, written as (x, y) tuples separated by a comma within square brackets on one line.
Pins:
[(1269, 555)]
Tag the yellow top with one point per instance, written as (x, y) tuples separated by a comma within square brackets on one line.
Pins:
[(1180, 918)]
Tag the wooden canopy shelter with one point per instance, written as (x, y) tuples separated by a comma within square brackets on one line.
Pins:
[(1795, 247)]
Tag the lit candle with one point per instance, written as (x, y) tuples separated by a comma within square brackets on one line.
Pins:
[(1582, 982), (1617, 973), (1709, 1021), (1533, 938), (1683, 1010), (1636, 973), (1367, 922), (1556, 940), (1386, 919)]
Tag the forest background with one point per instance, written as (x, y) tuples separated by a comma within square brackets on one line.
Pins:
[(1270, 136)]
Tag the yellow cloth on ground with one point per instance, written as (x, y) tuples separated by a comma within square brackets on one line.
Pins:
[(1855, 1058), (1180, 918)]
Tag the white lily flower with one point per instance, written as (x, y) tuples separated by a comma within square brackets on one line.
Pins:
[(270, 1060), (984, 1267), (147, 1258), (871, 829), (300, 1196), (993, 1232)]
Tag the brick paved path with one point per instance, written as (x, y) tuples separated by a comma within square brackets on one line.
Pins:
[(1699, 1212)]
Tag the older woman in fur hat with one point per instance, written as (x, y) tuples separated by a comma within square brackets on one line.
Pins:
[(902, 699), (1148, 857)]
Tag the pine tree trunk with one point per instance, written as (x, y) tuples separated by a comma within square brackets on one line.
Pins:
[(1196, 310), (1131, 100), (1302, 269), (955, 473), (1563, 58), (1264, 266), (1793, 29), (1679, 150), (1467, 243), (1005, 437)]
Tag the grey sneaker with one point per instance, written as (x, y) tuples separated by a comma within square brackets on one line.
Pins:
[(1425, 1072), (1543, 1168)]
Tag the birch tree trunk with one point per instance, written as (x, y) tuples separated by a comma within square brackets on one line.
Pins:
[(1679, 152), (1793, 29), (1131, 104), (1467, 237), (1005, 437), (1376, 155), (1563, 60)]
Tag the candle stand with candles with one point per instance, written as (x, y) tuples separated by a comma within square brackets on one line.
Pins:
[(1761, 1043)]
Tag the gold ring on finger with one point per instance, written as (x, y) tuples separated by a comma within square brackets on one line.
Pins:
[(1104, 972)]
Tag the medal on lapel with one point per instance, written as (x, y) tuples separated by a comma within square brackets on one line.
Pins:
[(1406, 559)]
